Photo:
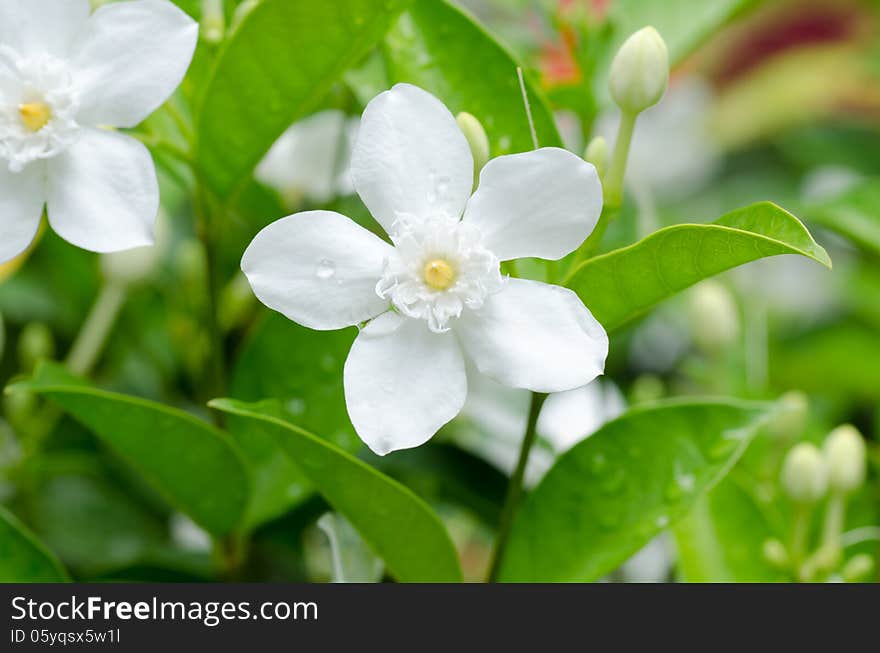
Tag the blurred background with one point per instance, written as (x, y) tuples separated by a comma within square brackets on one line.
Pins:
[(769, 100)]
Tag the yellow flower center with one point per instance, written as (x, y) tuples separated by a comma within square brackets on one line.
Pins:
[(35, 115), (439, 274)]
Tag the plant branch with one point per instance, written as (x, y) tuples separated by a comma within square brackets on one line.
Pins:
[(514, 488)]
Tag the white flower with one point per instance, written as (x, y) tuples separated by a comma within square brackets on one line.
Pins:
[(437, 296), (311, 159), (65, 75)]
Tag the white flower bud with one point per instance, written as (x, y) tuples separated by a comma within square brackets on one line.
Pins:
[(804, 475), (714, 316), (35, 343), (845, 456), (476, 137), (858, 568), (640, 71), (213, 20), (775, 553), (597, 154), (790, 420)]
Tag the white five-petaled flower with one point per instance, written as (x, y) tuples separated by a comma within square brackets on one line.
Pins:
[(65, 76), (437, 296)]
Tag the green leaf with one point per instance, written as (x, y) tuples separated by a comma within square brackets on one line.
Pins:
[(623, 284), (608, 496), (277, 66), (92, 525), (854, 214), (721, 540), (399, 527), (302, 369), (436, 46), (196, 467), (23, 558)]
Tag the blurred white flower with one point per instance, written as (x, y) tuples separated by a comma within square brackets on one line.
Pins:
[(351, 559), (437, 296), (493, 422), (651, 564), (187, 535), (311, 160), (672, 152), (65, 75)]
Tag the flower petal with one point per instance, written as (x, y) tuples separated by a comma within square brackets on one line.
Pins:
[(402, 382), (318, 268), (536, 336), (410, 158), (103, 193), (539, 204), (129, 59), (22, 196), (34, 27)]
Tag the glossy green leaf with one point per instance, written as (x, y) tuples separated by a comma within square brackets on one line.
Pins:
[(608, 496), (283, 58), (302, 369), (91, 524), (722, 539), (623, 284), (438, 47), (23, 558), (196, 467), (854, 214), (399, 527)]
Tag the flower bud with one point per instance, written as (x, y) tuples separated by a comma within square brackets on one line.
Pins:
[(858, 568), (213, 21), (846, 457), (35, 343), (804, 476), (236, 301), (476, 137), (640, 71), (597, 154), (647, 388), (775, 553), (790, 419), (714, 316)]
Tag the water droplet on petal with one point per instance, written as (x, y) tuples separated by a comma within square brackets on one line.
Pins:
[(326, 269)]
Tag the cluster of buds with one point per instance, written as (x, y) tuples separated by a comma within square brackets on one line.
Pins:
[(809, 475)]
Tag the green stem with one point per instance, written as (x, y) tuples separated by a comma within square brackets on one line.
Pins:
[(514, 488), (799, 531), (97, 327), (216, 373), (835, 514), (617, 170)]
